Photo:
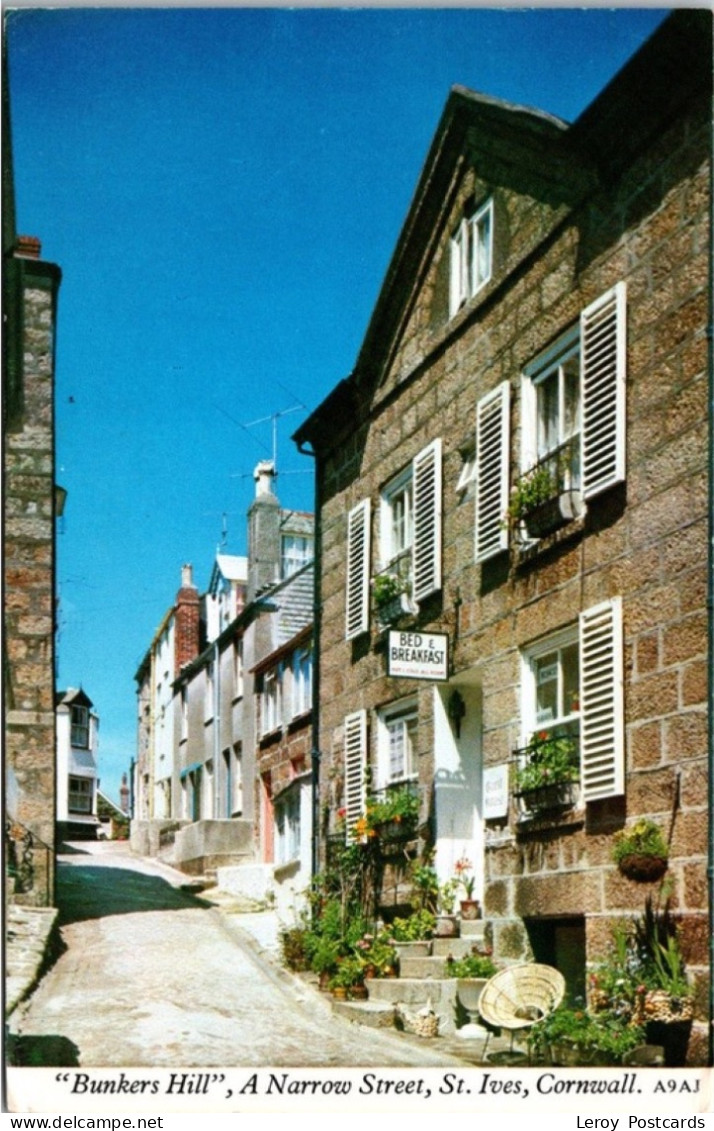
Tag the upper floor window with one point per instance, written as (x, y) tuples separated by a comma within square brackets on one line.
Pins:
[(574, 417), (471, 253), (238, 669), (80, 727), (296, 552), (397, 522), (302, 681), (271, 702), (287, 826), (81, 794), (396, 744)]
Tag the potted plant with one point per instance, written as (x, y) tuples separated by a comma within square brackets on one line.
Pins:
[(549, 773), (394, 816), (412, 935), (471, 973), (447, 924), (391, 597), (640, 851), (470, 907), (668, 1004), (348, 978)]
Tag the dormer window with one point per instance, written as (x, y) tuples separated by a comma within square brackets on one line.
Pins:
[(471, 256)]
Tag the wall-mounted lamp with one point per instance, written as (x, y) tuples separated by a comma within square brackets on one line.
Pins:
[(456, 709), (60, 500)]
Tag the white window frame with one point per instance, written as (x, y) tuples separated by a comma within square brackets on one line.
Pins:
[(471, 256), (238, 672), (600, 713), (271, 700), (286, 816), (80, 724), (398, 722), (295, 552), (302, 681), (416, 557), (600, 341), (82, 790)]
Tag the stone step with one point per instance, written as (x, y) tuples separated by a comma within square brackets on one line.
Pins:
[(473, 928), (428, 968), (374, 1014), (457, 948), (420, 949)]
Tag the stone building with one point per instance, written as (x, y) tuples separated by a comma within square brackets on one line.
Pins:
[(77, 728), (213, 777), (521, 455), (30, 289)]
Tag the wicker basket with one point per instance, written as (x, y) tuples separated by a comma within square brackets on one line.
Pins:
[(520, 995), (643, 869)]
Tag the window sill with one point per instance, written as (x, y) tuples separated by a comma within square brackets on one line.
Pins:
[(301, 720), (286, 871), (270, 736), (527, 551), (548, 819)]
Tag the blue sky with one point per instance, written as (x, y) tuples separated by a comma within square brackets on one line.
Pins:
[(223, 189)]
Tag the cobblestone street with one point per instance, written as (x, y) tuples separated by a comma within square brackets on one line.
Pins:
[(152, 975)]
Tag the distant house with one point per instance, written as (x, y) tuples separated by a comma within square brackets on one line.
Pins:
[(77, 745), (231, 741)]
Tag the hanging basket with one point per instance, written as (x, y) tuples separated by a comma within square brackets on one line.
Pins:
[(643, 869)]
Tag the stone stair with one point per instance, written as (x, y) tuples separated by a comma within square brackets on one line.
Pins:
[(422, 981)]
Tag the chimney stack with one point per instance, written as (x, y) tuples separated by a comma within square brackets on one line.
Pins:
[(186, 621), (263, 532)]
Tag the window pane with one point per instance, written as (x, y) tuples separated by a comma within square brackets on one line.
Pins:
[(547, 394), (482, 250), (571, 680), (546, 673)]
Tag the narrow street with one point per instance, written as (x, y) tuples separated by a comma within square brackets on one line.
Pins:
[(151, 975)]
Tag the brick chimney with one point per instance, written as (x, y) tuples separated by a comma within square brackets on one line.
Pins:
[(27, 247), (186, 621), (263, 532)]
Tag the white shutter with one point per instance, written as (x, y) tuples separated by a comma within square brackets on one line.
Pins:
[(602, 375), (426, 548), (357, 604), (355, 768), (492, 450), (602, 740)]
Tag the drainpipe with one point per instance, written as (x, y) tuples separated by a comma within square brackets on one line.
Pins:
[(216, 725), (710, 629), (315, 756)]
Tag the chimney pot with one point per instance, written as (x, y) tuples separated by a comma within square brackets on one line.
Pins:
[(27, 247)]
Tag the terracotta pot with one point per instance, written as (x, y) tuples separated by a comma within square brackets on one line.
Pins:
[(359, 992), (339, 993), (470, 909), (447, 927)]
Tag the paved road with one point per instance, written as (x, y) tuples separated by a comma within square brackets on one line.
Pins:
[(153, 976)]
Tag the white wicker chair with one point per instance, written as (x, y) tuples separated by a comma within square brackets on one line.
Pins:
[(517, 997)]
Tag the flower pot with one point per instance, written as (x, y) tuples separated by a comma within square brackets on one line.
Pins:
[(643, 869), (359, 992), (370, 971), (470, 909), (663, 1006), (548, 516), (468, 991), (446, 927), (391, 831), (339, 993), (324, 982)]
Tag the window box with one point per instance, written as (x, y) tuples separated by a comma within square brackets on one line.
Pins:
[(391, 611), (553, 513), (543, 798)]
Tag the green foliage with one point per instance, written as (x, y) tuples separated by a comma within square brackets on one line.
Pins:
[(551, 760), (644, 838), (293, 947), (474, 965), (386, 587), (349, 972), (604, 1034), (377, 950), (398, 805), (659, 951), (532, 489), (420, 925), (425, 886)]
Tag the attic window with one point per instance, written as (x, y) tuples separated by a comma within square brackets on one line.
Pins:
[(471, 253)]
